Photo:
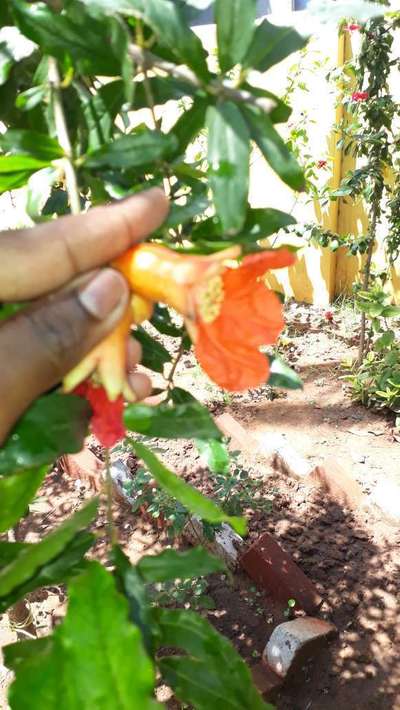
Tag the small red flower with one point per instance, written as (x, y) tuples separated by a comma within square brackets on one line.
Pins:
[(107, 419), (352, 28), (322, 164), (329, 316), (360, 96)]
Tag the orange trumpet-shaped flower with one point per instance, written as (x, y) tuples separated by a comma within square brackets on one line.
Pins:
[(229, 311)]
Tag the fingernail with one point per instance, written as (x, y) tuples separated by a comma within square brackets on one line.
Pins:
[(103, 293)]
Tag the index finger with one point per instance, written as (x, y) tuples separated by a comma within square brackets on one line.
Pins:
[(36, 261)]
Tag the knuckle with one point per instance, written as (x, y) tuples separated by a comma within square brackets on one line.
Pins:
[(57, 333)]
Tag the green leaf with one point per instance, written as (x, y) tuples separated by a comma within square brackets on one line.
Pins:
[(391, 312), (189, 125), (215, 455), (168, 22), (39, 190), (228, 157), (33, 557), (15, 170), (30, 143), (180, 396), (55, 424), (12, 181), (261, 223), (170, 565), (188, 496), (281, 113), (179, 421), (385, 341), (67, 564), (134, 150), (131, 584), (235, 28), (29, 99), (100, 111), (274, 149), (16, 492), (213, 675), (281, 375), (272, 44), (95, 659), (74, 33), (182, 214), (163, 322), (154, 355)]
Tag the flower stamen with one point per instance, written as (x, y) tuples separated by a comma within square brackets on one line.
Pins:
[(210, 297)]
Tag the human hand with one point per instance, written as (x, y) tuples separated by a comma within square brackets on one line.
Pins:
[(75, 304)]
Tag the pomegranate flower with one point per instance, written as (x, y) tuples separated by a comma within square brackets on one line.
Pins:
[(360, 96), (107, 417), (322, 164), (228, 310), (352, 28)]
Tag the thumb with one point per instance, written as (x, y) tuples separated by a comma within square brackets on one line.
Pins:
[(45, 341)]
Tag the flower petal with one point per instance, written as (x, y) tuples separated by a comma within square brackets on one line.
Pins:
[(107, 419)]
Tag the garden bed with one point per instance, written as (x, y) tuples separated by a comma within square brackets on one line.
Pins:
[(352, 556)]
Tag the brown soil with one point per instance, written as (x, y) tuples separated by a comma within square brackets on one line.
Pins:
[(353, 558)]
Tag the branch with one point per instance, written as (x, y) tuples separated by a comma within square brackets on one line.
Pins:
[(63, 138), (147, 60)]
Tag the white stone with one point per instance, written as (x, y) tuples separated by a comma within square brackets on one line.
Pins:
[(227, 544), (294, 642), (386, 495)]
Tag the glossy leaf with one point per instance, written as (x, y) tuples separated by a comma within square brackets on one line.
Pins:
[(67, 564), (228, 158), (39, 190), (163, 322), (94, 659), (134, 150), (212, 675), (273, 147), (178, 421), (76, 34), (55, 424), (188, 496), (154, 355), (16, 492), (271, 44), (281, 375), (171, 564), (189, 125), (30, 143), (100, 111), (14, 180), (29, 99), (235, 28), (182, 214), (281, 113), (215, 455), (391, 312), (130, 582), (180, 396), (168, 22), (33, 557)]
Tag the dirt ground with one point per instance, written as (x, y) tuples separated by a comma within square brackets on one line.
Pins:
[(353, 558)]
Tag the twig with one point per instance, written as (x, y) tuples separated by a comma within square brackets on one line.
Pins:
[(148, 61), (63, 138), (175, 364)]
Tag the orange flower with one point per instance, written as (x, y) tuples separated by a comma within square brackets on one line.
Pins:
[(229, 312)]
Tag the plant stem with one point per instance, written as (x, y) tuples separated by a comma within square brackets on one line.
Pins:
[(109, 489), (366, 279), (71, 181), (148, 60), (175, 364)]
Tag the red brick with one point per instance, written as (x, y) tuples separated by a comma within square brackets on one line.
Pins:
[(266, 681), (338, 484), (273, 570)]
